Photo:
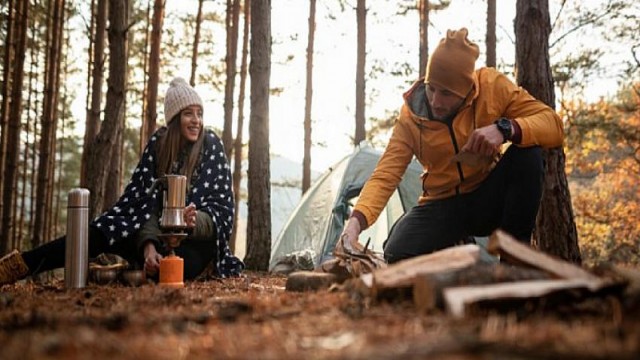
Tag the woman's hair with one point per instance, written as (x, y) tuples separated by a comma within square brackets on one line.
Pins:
[(169, 146)]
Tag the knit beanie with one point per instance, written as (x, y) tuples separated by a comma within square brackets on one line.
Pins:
[(452, 64), (179, 95)]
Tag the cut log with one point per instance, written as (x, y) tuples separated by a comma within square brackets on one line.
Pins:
[(309, 281), (459, 299), (428, 288), (402, 273), (515, 252)]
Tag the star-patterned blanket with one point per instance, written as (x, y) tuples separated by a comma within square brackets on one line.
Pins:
[(210, 192)]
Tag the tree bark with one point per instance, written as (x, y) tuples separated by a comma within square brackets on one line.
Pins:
[(113, 187), (15, 118), (151, 114), (259, 219), (145, 67), (491, 33), (104, 145), (93, 113), (423, 9), (308, 100), (361, 14), (233, 11), (4, 106), (555, 231), (49, 123), (28, 151), (196, 42), (237, 144)]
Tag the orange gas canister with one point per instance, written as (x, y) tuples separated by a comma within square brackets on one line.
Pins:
[(172, 271)]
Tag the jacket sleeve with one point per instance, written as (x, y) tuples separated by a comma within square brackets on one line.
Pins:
[(539, 123), (387, 174)]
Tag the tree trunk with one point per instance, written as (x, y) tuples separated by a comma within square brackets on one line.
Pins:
[(34, 51), (113, 187), (423, 9), (237, 144), (33, 178), (306, 162), (90, 37), (491, 33), (145, 68), (196, 42), (361, 14), (555, 231), (233, 11), (15, 118), (93, 112), (259, 220), (4, 106), (151, 114), (49, 123), (105, 142)]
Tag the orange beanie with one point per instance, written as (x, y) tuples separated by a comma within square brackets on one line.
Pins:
[(452, 64)]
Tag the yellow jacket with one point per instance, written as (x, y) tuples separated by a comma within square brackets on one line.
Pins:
[(434, 143)]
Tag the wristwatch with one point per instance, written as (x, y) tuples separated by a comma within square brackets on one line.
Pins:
[(505, 127)]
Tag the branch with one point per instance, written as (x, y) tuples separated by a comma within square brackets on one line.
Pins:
[(581, 23), (555, 21)]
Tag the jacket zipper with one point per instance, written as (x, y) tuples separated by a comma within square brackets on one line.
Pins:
[(455, 148)]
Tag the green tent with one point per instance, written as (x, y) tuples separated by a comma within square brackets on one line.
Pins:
[(309, 236)]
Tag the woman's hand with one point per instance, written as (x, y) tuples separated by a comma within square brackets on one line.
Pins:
[(151, 259), (189, 215)]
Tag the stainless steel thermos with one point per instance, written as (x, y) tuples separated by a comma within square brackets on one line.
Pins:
[(76, 267)]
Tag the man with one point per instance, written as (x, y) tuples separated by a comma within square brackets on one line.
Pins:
[(455, 122)]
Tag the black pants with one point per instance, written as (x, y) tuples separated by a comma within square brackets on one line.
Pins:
[(508, 199), (196, 252)]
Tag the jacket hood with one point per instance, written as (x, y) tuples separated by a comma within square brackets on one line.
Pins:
[(416, 99)]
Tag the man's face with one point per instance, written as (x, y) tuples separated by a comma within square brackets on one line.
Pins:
[(443, 102)]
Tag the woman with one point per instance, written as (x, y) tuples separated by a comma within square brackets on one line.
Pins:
[(130, 228)]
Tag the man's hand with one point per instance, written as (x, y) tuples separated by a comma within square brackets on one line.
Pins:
[(151, 259), (484, 141), (350, 235)]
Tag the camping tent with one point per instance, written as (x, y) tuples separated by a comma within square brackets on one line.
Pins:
[(316, 223)]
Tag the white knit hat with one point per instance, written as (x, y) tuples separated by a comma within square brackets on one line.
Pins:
[(179, 95)]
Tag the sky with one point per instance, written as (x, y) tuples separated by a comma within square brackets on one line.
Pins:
[(391, 39)]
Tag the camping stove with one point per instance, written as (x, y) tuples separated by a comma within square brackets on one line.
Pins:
[(174, 229)]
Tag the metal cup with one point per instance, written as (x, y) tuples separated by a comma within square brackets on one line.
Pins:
[(76, 267)]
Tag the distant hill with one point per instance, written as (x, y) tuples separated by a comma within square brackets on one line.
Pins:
[(286, 182)]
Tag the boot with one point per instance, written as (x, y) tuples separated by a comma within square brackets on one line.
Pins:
[(12, 268)]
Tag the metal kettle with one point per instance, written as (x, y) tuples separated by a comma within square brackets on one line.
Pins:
[(173, 203)]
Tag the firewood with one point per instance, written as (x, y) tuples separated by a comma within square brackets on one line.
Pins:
[(428, 288), (402, 273), (515, 252), (309, 281), (458, 299)]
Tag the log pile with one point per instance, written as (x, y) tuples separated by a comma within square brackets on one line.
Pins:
[(454, 279)]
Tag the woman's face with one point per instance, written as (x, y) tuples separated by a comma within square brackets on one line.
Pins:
[(191, 122)]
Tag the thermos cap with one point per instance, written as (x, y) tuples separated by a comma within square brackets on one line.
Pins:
[(78, 197)]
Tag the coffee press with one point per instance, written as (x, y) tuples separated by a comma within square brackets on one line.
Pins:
[(174, 228)]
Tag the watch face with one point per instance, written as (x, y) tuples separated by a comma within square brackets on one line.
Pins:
[(504, 125)]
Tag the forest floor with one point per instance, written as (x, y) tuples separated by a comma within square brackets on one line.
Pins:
[(256, 318)]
